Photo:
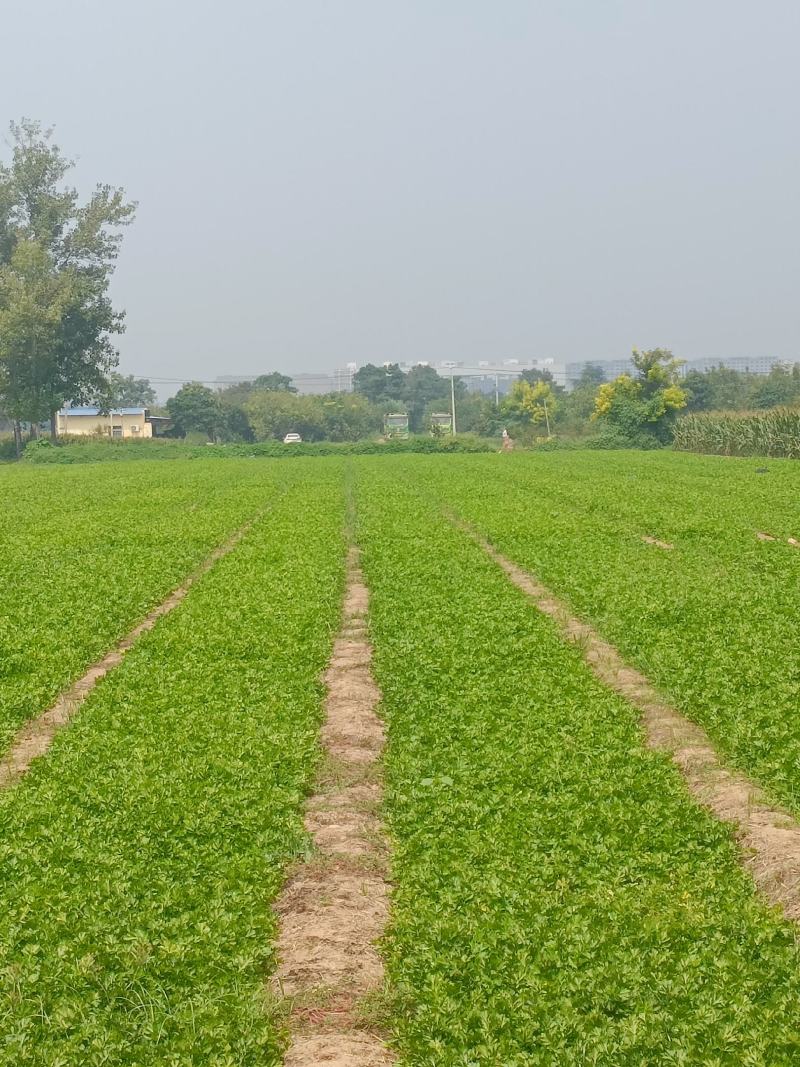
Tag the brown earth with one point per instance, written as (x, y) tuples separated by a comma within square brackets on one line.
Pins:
[(334, 908), (658, 544), (34, 738), (769, 836)]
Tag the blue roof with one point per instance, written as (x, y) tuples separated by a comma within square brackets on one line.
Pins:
[(96, 411)]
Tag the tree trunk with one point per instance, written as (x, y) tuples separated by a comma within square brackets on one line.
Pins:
[(18, 437), (53, 427)]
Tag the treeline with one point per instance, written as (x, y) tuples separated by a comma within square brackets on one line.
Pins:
[(723, 389), (731, 413), (637, 409), (269, 407)]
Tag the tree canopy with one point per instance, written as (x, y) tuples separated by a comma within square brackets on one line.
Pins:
[(128, 391), (645, 402), (57, 256), (196, 409)]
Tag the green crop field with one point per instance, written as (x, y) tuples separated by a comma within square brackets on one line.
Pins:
[(82, 558), (557, 896)]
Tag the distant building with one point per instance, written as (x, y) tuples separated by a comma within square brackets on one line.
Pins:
[(339, 381), (611, 368), (132, 423), (744, 364)]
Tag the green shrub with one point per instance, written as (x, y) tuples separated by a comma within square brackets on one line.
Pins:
[(92, 450)]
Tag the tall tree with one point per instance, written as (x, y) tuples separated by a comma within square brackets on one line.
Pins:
[(425, 390), (645, 403), (535, 376), (379, 384), (57, 255), (532, 403), (275, 382), (196, 409)]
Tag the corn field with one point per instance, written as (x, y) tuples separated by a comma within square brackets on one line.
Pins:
[(741, 433)]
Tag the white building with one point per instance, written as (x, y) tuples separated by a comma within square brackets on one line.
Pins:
[(133, 423)]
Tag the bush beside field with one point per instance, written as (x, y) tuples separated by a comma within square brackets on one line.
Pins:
[(91, 450), (775, 432)]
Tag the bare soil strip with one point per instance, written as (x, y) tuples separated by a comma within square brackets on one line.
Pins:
[(769, 836), (335, 906), (34, 738), (658, 544)]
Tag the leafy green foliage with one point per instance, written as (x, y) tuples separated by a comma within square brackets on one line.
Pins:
[(88, 450), (125, 390), (712, 623), (724, 389), (558, 898), (196, 409), (56, 260), (333, 417), (741, 433), (646, 402), (141, 856), (86, 554)]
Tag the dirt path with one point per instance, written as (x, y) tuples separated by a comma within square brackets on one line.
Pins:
[(769, 836), (335, 906), (34, 738)]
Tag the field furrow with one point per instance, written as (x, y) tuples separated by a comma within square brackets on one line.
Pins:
[(139, 858), (712, 622), (87, 552), (558, 896)]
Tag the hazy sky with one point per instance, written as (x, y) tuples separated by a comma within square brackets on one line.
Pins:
[(367, 180)]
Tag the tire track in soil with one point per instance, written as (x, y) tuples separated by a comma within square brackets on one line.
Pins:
[(768, 835), (335, 906), (34, 738)]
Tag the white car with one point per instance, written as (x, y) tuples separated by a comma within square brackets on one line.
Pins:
[(292, 439)]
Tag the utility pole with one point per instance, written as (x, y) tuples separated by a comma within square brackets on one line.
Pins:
[(496, 392), (452, 405)]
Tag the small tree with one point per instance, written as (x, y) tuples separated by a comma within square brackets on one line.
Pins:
[(196, 409), (274, 382), (424, 391), (273, 414), (379, 384), (531, 404), (644, 403)]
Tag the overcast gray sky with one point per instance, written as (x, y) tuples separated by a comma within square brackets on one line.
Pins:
[(366, 180)]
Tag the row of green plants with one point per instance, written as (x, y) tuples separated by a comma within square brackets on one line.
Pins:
[(557, 896), (90, 450), (141, 856), (712, 621), (86, 554), (775, 432)]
